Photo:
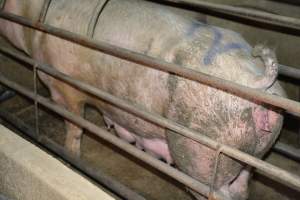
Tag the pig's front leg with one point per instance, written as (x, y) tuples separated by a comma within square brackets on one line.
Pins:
[(73, 138), (74, 132)]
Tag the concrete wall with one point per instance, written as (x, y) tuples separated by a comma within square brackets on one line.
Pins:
[(28, 173)]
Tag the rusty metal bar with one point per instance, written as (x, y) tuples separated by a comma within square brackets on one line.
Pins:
[(245, 92), (256, 15), (97, 175), (44, 11), (270, 170), (176, 174)]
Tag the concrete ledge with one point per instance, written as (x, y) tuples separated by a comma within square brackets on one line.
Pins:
[(28, 173)]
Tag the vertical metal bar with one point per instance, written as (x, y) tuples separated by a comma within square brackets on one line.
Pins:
[(211, 195), (44, 11), (298, 136), (36, 106), (2, 4)]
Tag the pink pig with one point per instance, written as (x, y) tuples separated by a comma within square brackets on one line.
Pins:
[(174, 36)]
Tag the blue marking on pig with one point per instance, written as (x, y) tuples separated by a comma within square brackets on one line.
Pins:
[(217, 47), (194, 27)]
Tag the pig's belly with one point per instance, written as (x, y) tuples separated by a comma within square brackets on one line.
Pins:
[(156, 147)]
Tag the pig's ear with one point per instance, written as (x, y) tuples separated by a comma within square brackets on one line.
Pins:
[(271, 67)]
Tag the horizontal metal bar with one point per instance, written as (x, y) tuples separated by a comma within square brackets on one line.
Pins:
[(287, 150), (176, 174), (97, 175), (270, 170), (228, 86), (289, 71), (256, 15)]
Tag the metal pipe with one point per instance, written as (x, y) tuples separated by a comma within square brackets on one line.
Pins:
[(256, 15), (176, 174), (289, 71), (287, 150), (97, 175), (272, 171), (245, 92)]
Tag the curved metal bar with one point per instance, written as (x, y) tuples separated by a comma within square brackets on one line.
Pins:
[(96, 14), (44, 11), (272, 171), (291, 106), (257, 15)]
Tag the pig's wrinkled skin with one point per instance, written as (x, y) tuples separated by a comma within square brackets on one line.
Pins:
[(167, 34)]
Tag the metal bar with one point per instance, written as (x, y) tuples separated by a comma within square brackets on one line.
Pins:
[(176, 174), (212, 188), (245, 92), (44, 11), (272, 171), (256, 15), (289, 71), (2, 4), (287, 150), (36, 105), (97, 175)]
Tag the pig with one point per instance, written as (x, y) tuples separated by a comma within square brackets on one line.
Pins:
[(174, 36)]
